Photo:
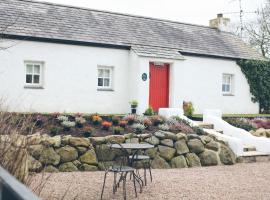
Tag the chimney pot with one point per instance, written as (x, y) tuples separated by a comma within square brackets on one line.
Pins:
[(220, 15), (220, 23)]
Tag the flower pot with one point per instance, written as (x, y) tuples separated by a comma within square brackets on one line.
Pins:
[(133, 110)]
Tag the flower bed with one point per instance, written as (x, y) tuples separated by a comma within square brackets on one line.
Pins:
[(95, 125), (257, 126)]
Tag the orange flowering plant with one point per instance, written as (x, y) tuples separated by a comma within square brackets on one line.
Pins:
[(96, 119), (106, 125)]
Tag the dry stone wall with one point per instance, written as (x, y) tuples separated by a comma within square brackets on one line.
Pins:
[(67, 153)]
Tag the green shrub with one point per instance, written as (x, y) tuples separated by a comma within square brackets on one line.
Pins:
[(241, 123), (188, 108), (149, 111), (55, 130), (117, 130)]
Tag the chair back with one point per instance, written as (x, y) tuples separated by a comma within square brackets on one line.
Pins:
[(121, 159)]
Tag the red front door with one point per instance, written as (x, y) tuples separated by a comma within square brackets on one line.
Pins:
[(159, 86)]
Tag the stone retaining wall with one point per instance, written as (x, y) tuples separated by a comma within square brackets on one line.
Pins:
[(66, 153)]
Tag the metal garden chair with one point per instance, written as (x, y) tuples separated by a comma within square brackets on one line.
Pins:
[(122, 168)]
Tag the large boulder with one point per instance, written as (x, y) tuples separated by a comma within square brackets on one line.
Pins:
[(115, 138), (152, 140), (208, 158), (33, 139), (226, 155), (166, 152), (159, 163), (67, 167), (86, 167), (193, 160), (195, 146), (79, 141), (89, 158), (160, 135), (35, 150), (261, 132), (181, 136), (167, 142), (132, 140), (49, 157), (52, 141), (212, 145), (65, 139), (50, 169), (152, 153), (67, 154), (97, 140), (179, 162), (34, 165), (81, 150), (206, 139), (181, 147)]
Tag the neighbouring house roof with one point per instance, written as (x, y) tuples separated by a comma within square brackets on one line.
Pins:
[(43, 21)]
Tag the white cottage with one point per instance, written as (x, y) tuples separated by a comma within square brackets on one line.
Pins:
[(69, 59)]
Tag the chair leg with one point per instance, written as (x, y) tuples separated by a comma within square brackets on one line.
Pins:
[(104, 181), (124, 186), (144, 169), (150, 171), (134, 183), (114, 182)]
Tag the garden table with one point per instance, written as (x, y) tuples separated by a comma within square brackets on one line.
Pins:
[(135, 149)]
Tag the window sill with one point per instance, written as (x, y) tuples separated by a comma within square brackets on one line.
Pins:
[(33, 87), (105, 89), (224, 94)]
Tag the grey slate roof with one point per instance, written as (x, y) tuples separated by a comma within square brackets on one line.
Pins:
[(146, 36)]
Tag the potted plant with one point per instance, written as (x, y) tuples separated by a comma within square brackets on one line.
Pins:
[(87, 131), (117, 130), (106, 125), (134, 105), (96, 119)]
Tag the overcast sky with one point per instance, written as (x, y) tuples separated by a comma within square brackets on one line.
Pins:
[(191, 11)]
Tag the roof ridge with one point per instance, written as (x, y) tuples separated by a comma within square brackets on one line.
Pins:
[(117, 13)]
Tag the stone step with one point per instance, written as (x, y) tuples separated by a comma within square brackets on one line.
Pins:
[(248, 148), (205, 125), (254, 156)]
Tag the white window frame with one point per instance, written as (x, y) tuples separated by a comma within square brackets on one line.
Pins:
[(111, 70), (230, 83), (41, 74)]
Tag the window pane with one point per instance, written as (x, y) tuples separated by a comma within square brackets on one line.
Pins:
[(100, 72), (106, 82), (36, 78), (223, 88), (107, 73), (100, 81), (29, 69), (228, 88), (37, 69), (28, 78)]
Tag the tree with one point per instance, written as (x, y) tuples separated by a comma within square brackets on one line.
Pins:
[(258, 32)]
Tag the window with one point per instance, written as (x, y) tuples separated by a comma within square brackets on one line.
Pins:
[(33, 74), (105, 77), (227, 83)]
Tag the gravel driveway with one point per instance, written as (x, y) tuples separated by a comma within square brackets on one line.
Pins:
[(241, 181)]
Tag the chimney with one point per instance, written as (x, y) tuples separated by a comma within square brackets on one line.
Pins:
[(220, 23)]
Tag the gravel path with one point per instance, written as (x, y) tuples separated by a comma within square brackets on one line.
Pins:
[(241, 181)]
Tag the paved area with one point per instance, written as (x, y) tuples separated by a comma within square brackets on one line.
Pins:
[(241, 181)]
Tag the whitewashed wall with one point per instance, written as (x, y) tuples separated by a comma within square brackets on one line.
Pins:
[(199, 80), (70, 83)]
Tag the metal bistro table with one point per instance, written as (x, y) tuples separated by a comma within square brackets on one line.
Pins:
[(135, 149)]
